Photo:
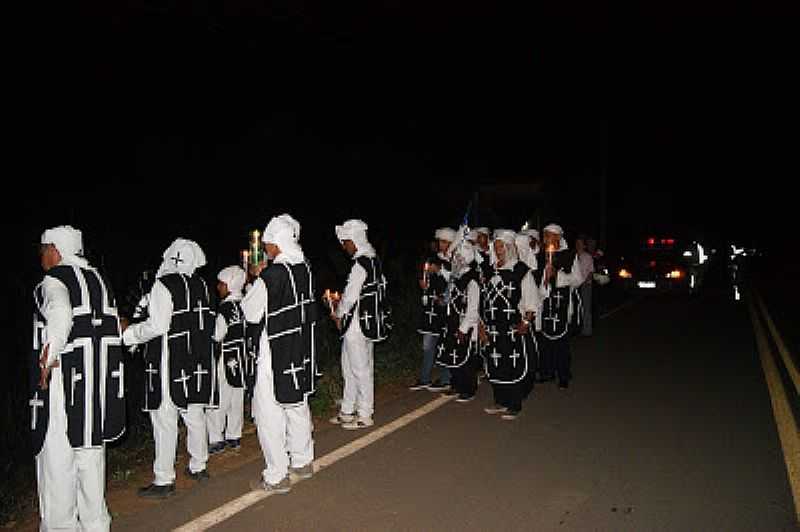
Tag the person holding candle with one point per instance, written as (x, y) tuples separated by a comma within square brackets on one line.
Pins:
[(74, 309), (282, 300), (229, 333), (361, 319), (436, 270), (510, 314), (559, 278)]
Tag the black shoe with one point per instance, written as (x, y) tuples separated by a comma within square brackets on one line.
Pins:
[(157, 492), (200, 476), (216, 447), (234, 444), (438, 386), (563, 385), (419, 385), (464, 398)]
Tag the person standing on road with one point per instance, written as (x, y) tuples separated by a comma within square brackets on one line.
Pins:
[(282, 300), (586, 263)]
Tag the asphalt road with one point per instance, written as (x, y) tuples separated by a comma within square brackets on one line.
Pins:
[(667, 426)]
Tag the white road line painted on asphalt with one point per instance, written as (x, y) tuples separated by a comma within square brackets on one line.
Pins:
[(235, 506), (781, 409), (788, 360)]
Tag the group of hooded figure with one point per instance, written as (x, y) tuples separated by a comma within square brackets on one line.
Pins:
[(198, 363), (505, 303)]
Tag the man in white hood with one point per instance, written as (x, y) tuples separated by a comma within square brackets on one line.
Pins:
[(282, 300), (74, 312), (179, 371), (229, 333), (560, 278), (360, 317)]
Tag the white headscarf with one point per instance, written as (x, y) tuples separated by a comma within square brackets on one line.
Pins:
[(284, 232), (69, 243), (461, 256), (234, 277), (526, 254), (182, 256), (556, 229), (532, 234), (356, 230), (445, 233), (509, 239)]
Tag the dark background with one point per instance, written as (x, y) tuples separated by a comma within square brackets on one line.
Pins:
[(142, 121)]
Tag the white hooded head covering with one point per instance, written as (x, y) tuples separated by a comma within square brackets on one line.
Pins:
[(284, 232), (509, 239), (182, 256), (531, 234), (556, 229), (445, 233), (69, 243), (526, 254), (472, 236), (356, 230), (461, 256), (235, 278)]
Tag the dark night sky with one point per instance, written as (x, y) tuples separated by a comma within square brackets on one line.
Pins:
[(148, 104)]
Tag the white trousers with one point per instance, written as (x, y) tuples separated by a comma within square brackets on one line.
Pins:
[(358, 373), (284, 432), (230, 414), (71, 482), (165, 434)]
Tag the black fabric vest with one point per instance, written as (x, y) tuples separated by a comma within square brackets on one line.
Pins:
[(91, 365), (508, 353), (292, 314), (252, 333), (433, 313), (449, 352), (192, 372), (555, 307), (234, 352), (374, 312)]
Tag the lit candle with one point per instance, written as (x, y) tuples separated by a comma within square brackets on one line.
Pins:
[(245, 259), (327, 297), (425, 273), (550, 250), (255, 246)]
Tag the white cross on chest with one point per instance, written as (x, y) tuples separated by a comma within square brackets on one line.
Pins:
[(509, 289), (514, 358), (431, 314), (120, 374), (493, 333), (512, 332), (76, 377), (365, 318), (233, 364), (492, 309), (36, 404), (441, 349), (558, 297), (293, 371), (199, 309), (553, 318), (182, 379), (200, 372), (150, 372), (496, 356)]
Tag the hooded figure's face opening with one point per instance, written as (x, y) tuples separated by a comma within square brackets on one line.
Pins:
[(272, 250), (500, 252), (349, 247), (49, 256)]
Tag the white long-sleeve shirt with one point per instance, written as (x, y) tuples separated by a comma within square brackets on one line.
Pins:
[(352, 291), (472, 317), (158, 320), (57, 312)]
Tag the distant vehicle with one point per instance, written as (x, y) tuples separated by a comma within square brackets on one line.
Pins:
[(658, 264)]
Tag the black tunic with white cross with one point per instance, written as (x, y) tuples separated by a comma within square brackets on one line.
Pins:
[(91, 364), (191, 371), (374, 313), (433, 307), (451, 353), (252, 333), (556, 306), (508, 353), (292, 314), (234, 352)]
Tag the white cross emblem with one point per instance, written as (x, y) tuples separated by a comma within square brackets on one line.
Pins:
[(36, 404), (200, 308), (441, 349), (509, 312), (454, 356), (200, 372), (554, 319), (76, 377), (293, 370), (120, 374), (150, 371), (492, 309), (514, 358), (558, 297), (496, 356), (493, 333), (509, 288), (431, 314), (182, 379), (233, 364), (365, 318), (512, 332)]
